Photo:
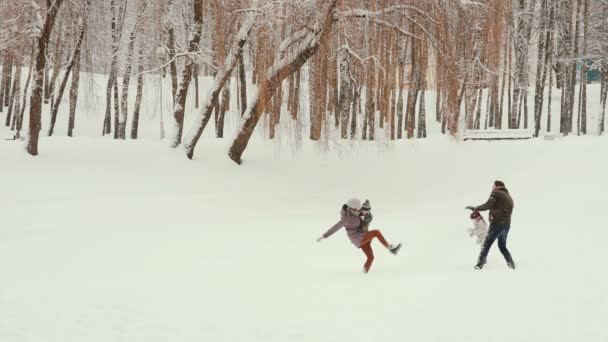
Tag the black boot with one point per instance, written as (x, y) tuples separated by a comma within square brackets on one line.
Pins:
[(395, 248)]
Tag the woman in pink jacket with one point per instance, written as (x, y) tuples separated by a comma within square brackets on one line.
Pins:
[(351, 217)]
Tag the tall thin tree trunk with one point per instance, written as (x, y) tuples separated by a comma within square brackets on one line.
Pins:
[(583, 90), (36, 99), (13, 105), (196, 91), (603, 98), (14, 95), (139, 96), (74, 97), (550, 85), (346, 91), (355, 112), (173, 63), (180, 95), (7, 70), (107, 122), (243, 85), (126, 80), (75, 57), (421, 131), (19, 122), (58, 56)]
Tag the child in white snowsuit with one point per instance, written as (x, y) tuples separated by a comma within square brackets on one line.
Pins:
[(480, 227)]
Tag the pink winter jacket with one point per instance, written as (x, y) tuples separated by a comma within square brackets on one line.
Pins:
[(351, 223)]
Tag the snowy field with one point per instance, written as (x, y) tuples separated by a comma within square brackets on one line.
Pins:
[(129, 241)]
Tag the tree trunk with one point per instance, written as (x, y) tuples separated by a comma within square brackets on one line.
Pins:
[(7, 70), (75, 57), (116, 107), (74, 97), (243, 84), (550, 85), (369, 122), (13, 103), (19, 122), (107, 122), (220, 79), (182, 91), (541, 67), (223, 107), (572, 81), (36, 99), (275, 75), (421, 131), (173, 63), (346, 91), (477, 121), (355, 112), (603, 98), (318, 97), (8, 80), (196, 91), (139, 95), (400, 108), (56, 69), (583, 90)]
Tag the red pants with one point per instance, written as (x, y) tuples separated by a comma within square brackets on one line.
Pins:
[(366, 246)]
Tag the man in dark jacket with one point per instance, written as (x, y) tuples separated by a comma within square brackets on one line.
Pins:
[(500, 205)]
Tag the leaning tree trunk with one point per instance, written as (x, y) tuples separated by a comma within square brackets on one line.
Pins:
[(186, 76), (36, 99), (275, 75), (220, 79), (73, 60)]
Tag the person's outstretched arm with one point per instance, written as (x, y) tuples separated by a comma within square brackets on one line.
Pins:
[(333, 229), (486, 206)]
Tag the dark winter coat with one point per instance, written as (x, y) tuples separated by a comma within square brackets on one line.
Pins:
[(366, 219), (500, 205)]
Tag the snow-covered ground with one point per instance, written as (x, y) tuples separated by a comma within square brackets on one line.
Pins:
[(129, 241)]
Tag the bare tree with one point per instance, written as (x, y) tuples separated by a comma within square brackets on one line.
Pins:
[(36, 97)]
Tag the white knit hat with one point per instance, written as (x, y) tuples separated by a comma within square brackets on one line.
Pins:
[(354, 203)]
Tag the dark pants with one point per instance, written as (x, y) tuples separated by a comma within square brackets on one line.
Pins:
[(497, 231)]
